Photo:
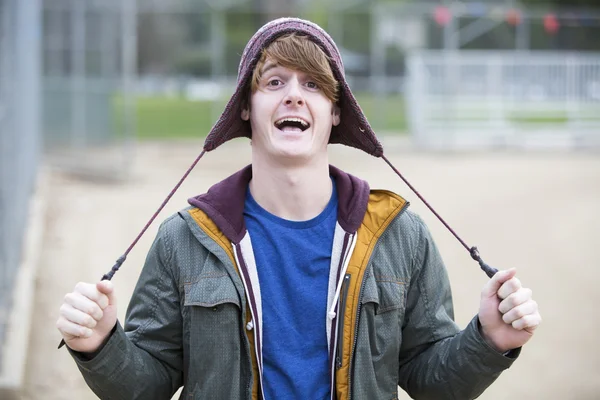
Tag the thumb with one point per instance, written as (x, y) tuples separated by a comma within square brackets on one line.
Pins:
[(493, 285), (106, 287)]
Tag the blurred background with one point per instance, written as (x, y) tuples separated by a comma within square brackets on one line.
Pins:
[(493, 106)]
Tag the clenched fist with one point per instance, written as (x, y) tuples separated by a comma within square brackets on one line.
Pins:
[(87, 316), (507, 313)]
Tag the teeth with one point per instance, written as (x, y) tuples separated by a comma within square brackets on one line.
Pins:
[(301, 121)]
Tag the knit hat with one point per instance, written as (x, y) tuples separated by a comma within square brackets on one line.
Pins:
[(353, 130)]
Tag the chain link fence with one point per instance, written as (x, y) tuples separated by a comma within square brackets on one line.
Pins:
[(89, 63), (19, 136), (66, 72)]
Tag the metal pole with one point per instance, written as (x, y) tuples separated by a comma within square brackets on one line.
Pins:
[(452, 31), (451, 69), (218, 32), (7, 158), (335, 26), (129, 76), (78, 95), (523, 34), (27, 77), (378, 62)]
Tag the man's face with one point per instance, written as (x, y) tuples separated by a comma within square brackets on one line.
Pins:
[(291, 118)]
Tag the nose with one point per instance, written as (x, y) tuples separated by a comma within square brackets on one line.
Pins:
[(293, 97)]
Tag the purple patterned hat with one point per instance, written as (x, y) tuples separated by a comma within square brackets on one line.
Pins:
[(353, 130)]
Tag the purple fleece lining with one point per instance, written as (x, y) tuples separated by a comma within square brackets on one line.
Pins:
[(353, 196), (224, 202)]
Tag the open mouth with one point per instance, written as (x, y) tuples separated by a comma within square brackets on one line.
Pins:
[(292, 125)]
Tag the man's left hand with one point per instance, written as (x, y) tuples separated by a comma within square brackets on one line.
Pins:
[(507, 313)]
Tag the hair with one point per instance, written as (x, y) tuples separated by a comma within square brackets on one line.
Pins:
[(298, 52)]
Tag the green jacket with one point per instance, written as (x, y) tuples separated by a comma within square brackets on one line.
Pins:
[(195, 317)]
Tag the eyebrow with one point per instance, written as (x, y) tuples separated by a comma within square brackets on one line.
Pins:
[(268, 67)]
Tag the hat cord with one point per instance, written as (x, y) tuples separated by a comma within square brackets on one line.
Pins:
[(108, 276), (490, 271)]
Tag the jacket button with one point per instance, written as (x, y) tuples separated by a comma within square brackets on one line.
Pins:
[(249, 326)]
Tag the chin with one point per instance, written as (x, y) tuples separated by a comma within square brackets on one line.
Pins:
[(294, 147), (294, 154)]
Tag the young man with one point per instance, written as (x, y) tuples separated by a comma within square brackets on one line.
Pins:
[(291, 279)]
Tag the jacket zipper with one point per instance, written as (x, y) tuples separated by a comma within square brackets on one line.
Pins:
[(360, 296), (341, 313)]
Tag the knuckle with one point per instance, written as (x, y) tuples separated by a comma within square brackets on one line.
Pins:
[(534, 304), (510, 302), (518, 325), (519, 313), (521, 297), (502, 308), (105, 301), (517, 282)]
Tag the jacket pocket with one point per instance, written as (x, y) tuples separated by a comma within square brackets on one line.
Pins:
[(386, 292), (216, 354), (379, 337), (211, 291)]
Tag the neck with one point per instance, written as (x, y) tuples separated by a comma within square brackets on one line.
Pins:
[(292, 192)]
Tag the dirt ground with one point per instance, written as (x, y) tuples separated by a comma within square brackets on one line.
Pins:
[(538, 212)]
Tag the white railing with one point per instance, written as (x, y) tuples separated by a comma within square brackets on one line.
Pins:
[(482, 99)]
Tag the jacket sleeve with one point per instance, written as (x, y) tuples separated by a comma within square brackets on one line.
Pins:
[(144, 360), (437, 360)]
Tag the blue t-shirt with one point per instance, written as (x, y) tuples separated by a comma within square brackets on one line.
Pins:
[(293, 261)]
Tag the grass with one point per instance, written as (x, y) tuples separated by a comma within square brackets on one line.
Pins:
[(160, 117), (179, 118)]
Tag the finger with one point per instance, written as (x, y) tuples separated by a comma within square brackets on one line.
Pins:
[(82, 303), (509, 287), (76, 316), (520, 311), (491, 287), (107, 289), (519, 297), (528, 322), (68, 328), (90, 291)]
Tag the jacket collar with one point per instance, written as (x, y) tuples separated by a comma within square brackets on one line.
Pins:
[(224, 202)]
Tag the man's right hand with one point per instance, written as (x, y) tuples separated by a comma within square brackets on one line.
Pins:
[(87, 316)]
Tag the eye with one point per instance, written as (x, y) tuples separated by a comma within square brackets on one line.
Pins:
[(312, 85), (274, 82)]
